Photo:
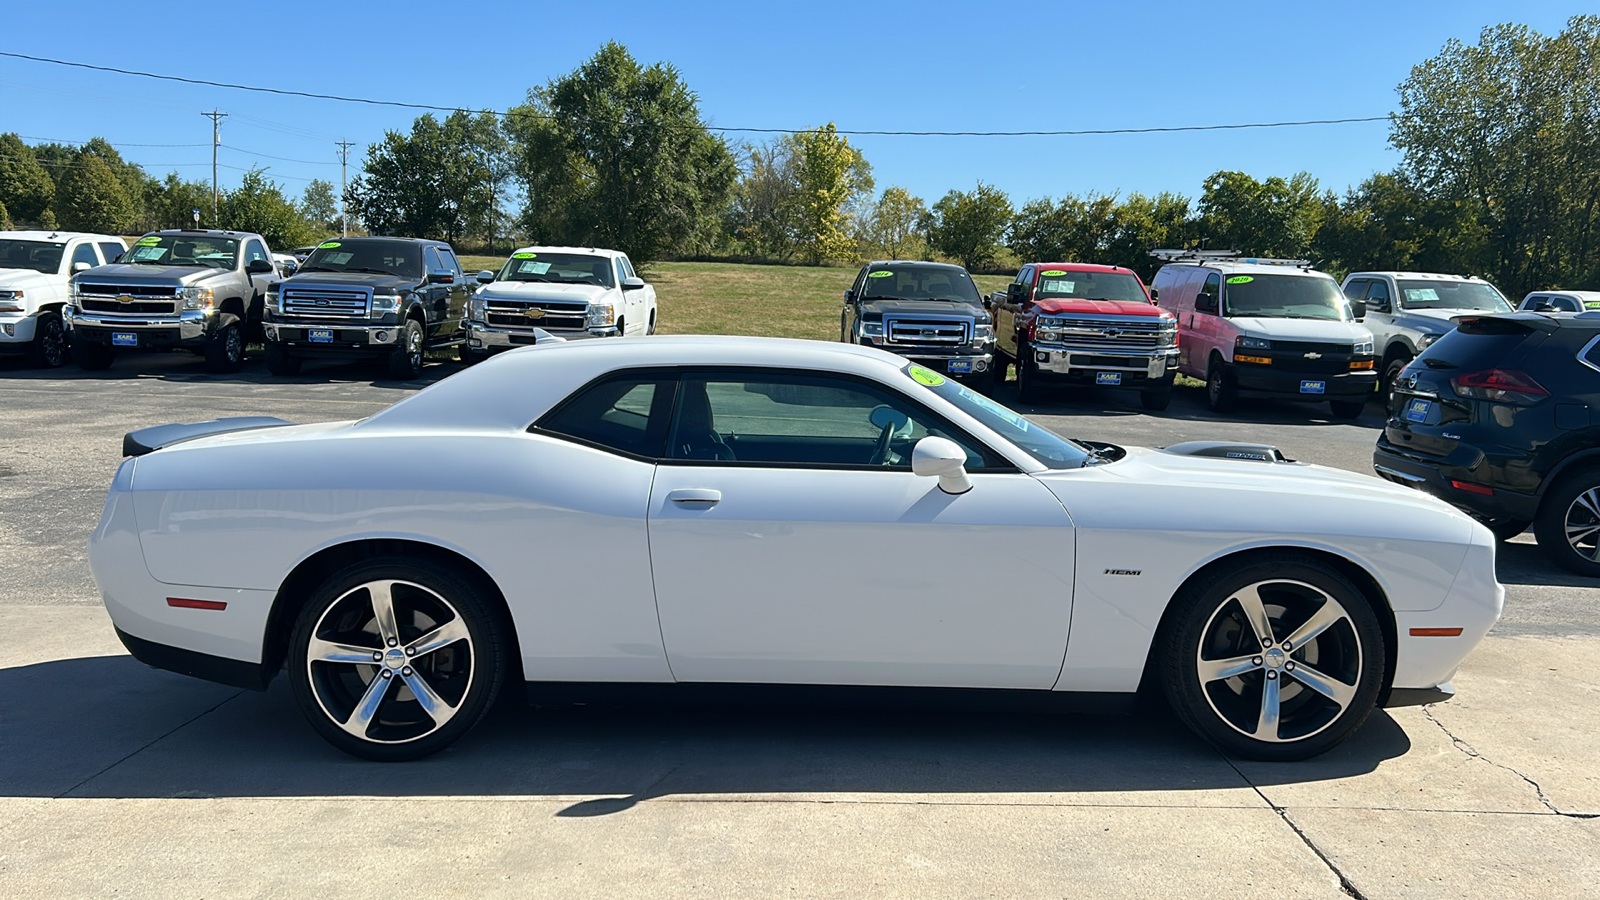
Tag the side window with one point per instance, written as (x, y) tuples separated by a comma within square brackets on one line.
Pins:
[(1568, 304), (816, 421), (627, 267), (1357, 289), (431, 261), (112, 252), (628, 414), (447, 258), (85, 254), (254, 251), (1378, 296), (1590, 355), (1213, 288), (1025, 278), (855, 286)]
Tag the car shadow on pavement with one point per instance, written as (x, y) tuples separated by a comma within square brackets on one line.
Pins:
[(109, 727), (1522, 562), (1188, 404)]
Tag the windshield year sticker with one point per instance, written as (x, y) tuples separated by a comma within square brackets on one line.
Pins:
[(880, 274), (147, 242), (1240, 279), (524, 255), (1054, 273), (327, 245), (926, 376)]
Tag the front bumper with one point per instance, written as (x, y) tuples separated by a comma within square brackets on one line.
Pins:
[(958, 361), (16, 332), (1285, 384), (484, 337), (191, 326), (357, 337), (1434, 477), (1063, 362)]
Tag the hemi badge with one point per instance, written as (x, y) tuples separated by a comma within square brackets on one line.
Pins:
[(1123, 571), (182, 603), (1436, 632)]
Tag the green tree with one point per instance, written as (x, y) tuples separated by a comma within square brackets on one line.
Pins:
[(172, 201), (439, 181), (320, 205), (258, 205), (615, 154), (135, 183), (26, 189), (1275, 217), (829, 174), (765, 217), (1388, 222), (893, 228), (968, 226), (90, 197), (1511, 125)]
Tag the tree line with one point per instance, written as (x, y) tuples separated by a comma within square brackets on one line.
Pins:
[(1500, 177)]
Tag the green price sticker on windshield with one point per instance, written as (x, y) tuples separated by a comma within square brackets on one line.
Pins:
[(147, 242), (879, 274), (1240, 279), (524, 256), (926, 376), (1054, 273), (327, 245)]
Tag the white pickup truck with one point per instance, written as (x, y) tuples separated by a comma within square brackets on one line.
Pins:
[(1407, 311), (35, 270), (566, 292)]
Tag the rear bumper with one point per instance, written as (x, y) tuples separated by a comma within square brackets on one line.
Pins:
[(232, 672), (1434, 477), (1271, 382)]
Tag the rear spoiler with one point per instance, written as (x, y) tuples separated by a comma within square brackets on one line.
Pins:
[(149, 440)]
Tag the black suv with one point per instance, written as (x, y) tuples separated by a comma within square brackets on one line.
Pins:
[(374, 297), (1501, 418)]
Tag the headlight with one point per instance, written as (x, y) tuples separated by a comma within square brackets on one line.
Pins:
[(477, 308), (1363, 347), (195, 297), (1425, 340), (385, 303), (1250, 343), (601, 315), (871, 329), (273, 303), (982, 334)]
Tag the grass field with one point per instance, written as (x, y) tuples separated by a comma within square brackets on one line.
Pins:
[(730, 298)]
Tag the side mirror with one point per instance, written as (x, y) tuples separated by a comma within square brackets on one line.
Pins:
[(81, 267), (485, 276), (849, 296), (1015, 290), (261, 267), (632, 284), (944, 459), (1358, 308), (441, 278), (1155, 296), (1204, 302)]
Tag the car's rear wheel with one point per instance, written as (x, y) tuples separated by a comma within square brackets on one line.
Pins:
[(405, 360), (280, 363), (49, 347), (997, 371), (1279, 659), (394, 659), (1568, 524), (92, 356), (1029, 390)]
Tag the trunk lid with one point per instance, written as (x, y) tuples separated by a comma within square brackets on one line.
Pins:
[(1426, 414)]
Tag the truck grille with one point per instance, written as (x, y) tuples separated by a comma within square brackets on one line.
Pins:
[(1114, 335), (135, 307), (1310, 358), (130, 290), (558, 315), (314, 302), (928, 331)]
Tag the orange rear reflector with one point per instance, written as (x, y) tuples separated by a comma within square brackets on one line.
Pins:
[(196, 604), (1436, 632)]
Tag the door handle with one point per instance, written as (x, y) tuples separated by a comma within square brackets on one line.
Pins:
[(695, 495)]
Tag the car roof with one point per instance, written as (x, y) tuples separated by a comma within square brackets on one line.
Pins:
[(927, 263), (383, 237), (62, 236), (1421, 276), (1083, 267), (1582, 295), (222, 231), (594, 251)]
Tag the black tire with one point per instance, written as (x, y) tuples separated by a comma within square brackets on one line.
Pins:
[(998, 369), (280, 363), (1506, 529), (470, 356), (1392, 366), (1569, 508), (1347, 409), (1029, 390), (464, 674), (1222, 395), (48, 350), (652, 328), (1207, 626), (1156, 399), (224, 351), (405, 360), (92, 356)]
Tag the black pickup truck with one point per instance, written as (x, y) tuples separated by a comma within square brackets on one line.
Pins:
[(925, 311), (367, 297)]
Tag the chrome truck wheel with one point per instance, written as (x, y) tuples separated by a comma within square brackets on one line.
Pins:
[(394, 660), (1275, 660)]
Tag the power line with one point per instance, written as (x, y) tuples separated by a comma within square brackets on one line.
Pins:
[(742, 130), (35, 137), (310, 162)]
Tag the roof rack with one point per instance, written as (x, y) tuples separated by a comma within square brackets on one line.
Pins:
[(1200, 256)]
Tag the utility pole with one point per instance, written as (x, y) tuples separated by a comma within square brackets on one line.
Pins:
[(344, 158), (216, 141)]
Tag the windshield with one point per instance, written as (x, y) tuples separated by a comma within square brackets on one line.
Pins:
[(1089, 286), (1284, 297), (1435, 294), (39, 256), (557, 268), (367, 257), (183, 250), (919, 281), (1040, 443)]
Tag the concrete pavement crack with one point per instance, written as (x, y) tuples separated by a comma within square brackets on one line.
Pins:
[(1472, 752), (153, 741), (1345, 884)]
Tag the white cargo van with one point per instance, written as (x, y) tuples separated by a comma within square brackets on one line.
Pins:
[(1271, 328)]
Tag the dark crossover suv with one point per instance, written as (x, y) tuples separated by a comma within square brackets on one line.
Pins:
[(1501, 417)]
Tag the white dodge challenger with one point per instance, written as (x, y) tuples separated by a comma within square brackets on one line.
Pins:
[(698, 512)]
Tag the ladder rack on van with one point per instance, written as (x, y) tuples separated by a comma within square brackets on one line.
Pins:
[(1204, 256)]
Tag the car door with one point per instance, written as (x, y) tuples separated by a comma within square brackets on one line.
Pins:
[(255, 250), (455, 308), (436, 294), (646, 296), (1209, 328), (1011, 308), (1381, 312), (791, 543), (852, 311)]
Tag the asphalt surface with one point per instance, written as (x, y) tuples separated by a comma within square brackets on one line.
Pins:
[(118, 779)]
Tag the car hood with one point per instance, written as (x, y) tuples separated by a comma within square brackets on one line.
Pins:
[(24, 279), (875, 308), (1075, 306), (525, 291), (349, 279), (137, 274), (1435, 319), (1301, 329)]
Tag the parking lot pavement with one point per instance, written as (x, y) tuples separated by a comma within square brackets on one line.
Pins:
[(115, 778)]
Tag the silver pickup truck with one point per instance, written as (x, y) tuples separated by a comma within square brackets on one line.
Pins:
[(194, 290)]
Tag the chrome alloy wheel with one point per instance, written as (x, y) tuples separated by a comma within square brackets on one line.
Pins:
[(1279, 661), (390, 661), (1583, 524), (414, 346)]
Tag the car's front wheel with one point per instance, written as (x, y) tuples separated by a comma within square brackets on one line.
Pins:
[(1568, 524), (405, 360), (49, 347), (1280, 658), (395, 660), (224, 351), (92, 356), (1221, 394)]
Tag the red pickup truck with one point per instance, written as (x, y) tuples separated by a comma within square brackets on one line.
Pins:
[(1082, 324)]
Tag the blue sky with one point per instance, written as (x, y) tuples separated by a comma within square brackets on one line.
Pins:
[(887, 66)]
